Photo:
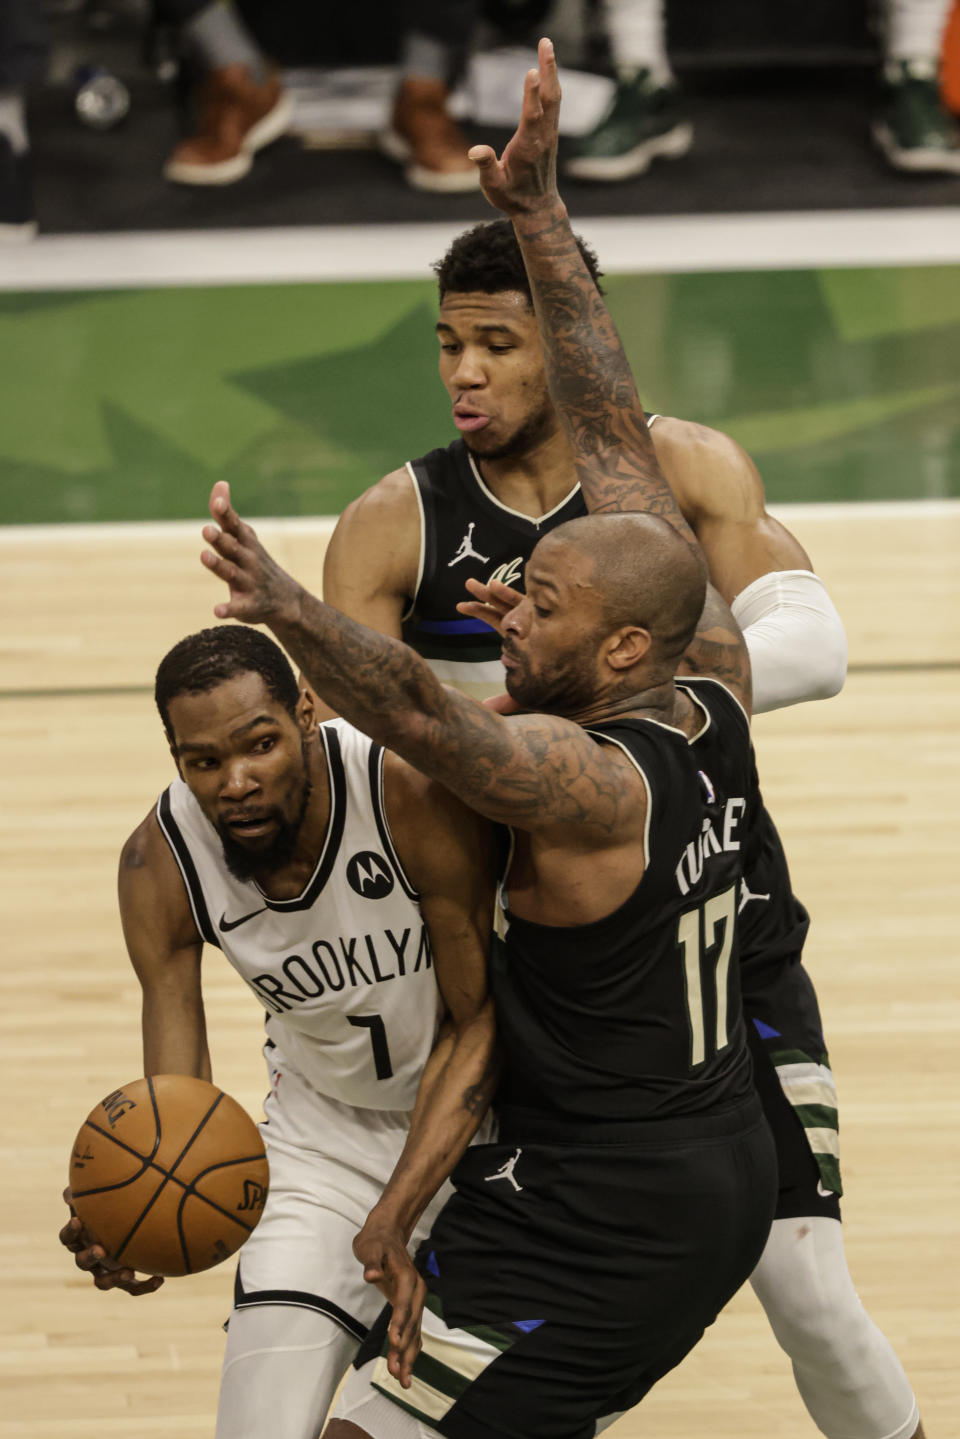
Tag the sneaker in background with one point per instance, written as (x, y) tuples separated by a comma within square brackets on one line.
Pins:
[(645, 121), (912, 126), (238, 117), (427, 141)]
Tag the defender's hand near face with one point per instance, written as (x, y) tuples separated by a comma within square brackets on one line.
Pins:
[(491, 603), (524, 179), (260, 591)]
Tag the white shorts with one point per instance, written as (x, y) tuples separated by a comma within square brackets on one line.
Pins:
[(329, 1163)]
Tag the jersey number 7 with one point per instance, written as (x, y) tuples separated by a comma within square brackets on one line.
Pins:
[(378, 1038)]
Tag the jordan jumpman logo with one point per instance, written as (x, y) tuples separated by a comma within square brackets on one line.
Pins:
[(466, 550), (506, 1172)]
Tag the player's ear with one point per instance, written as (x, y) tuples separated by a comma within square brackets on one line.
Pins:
[(627, 646), (307, 705)]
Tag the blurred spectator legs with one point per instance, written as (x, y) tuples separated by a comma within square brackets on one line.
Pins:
[(912, 127), (241, 104), (23, 60), (646, 118), (421, 134)]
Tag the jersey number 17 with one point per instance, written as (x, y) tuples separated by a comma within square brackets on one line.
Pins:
[(706, 960)]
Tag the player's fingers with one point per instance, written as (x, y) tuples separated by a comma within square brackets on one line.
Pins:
[(91, 1257), (474, 610), (144, 1286), (105, 1278), (220, 506), (71, 1233), (231, 546), (478, 589), (224, 569), (549, 73), (484, 157), (505, 594)]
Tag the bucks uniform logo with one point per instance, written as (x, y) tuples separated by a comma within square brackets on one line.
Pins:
[(369, 874)]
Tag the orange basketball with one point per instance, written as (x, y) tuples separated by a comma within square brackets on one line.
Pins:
[(169, 1174)]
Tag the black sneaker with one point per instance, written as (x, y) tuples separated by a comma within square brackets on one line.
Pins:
[(645, 121), (913, 127), (17, 220)]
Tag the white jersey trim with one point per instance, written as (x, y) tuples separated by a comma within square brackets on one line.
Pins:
[(422, 561), (188, 870), (610, 739), (710, 680), (531, 519), (377, 757)]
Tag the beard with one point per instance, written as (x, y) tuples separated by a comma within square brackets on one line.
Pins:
[(564, 688), (246, 862), (530, 435)]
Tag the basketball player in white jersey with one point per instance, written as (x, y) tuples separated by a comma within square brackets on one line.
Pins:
[(354, 898)]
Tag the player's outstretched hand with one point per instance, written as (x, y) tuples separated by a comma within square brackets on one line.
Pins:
[(491, 602), (260, 591), (386, 1263), (91, 1257), (524, 179)]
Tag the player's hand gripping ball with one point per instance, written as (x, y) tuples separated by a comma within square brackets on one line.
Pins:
[(170, 1175)]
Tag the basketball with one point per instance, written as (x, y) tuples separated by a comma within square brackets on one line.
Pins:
[(169, 1174)]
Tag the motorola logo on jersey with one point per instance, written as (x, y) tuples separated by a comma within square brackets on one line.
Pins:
[(369, 874)]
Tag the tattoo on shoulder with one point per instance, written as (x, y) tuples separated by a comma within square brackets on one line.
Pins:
[(718, 649)]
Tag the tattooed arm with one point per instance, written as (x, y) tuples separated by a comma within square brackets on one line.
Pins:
[(590, 380), (538, 772)]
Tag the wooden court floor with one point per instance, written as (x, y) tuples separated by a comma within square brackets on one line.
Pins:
[(865, 788)]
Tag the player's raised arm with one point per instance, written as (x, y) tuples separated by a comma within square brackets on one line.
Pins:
[(533, 771), (590, 380)]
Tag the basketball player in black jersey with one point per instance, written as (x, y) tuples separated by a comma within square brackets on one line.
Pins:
[(633, 1183), (632, 1188), (398, 561)]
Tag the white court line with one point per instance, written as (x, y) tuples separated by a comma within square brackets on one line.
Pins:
[(309, 525), (635, 244)]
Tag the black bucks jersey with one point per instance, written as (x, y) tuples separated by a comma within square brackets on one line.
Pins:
[(466, 532), (638, 1016), (343, 970)]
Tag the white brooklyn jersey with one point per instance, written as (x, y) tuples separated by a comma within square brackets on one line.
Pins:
[(344, 970)]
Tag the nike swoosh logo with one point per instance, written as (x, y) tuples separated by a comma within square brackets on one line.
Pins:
[(227, 924)]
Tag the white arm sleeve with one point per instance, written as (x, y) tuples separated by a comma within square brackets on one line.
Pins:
[(796, 639)]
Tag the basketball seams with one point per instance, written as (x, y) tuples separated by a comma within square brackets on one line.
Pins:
[(202, 1130), (146, 1161), (190, 1191), (169, 1172)]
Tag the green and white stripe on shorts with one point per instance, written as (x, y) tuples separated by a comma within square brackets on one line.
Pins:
[(812, 1092), (448, 1363)]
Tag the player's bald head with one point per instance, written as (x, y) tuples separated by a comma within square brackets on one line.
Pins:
[(643, 573)]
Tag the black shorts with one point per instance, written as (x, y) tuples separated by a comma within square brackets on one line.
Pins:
[(566, 1279), (793, 1078)]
